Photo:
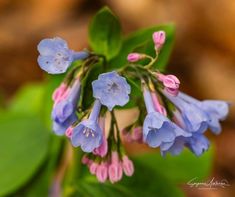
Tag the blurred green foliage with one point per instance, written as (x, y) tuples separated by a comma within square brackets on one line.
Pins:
[(31, 154)]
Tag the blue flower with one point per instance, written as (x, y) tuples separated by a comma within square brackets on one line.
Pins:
[(55, 56), (111, 89), (194, 118), (60, 128), (175, 147), (216, 110), (88, 133), (197, 143), (63, 113), (157, 128)]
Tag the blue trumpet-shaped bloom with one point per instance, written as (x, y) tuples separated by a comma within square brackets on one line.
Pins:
[(194, 118), (60, 128), (197, 143), (111, 89), (88, 134), (157, 128), (55, 56), (216, 110), (63, 113)]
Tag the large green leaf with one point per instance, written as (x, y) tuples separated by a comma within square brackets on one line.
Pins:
[(23, 147), (105, 33), (143, 39), (43, 181), (181, 168)]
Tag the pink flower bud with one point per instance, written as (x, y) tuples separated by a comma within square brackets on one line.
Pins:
[(137, 134), (127, 166), (134, 57), (159, 39), (115, 172), (102, 172), (69, 132), (115, 168), (169, 81), (93, 168)]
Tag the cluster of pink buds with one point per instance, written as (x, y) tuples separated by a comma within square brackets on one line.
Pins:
[(110, 168), (159, 39)]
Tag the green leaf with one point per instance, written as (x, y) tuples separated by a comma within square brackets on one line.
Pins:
[(105, 33), (23, 147), (142, 39), (43, 181), (181, 168)]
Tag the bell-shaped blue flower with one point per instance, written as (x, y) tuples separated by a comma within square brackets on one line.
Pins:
[(216, 110), (88, 134), (111, 89), (197, 143), (194, 118), (175, 147), (60, 128), (64, 112), (55, 56), (157, 128)]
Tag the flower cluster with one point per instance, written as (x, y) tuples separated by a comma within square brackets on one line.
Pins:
[(169, 119), (111, 169)]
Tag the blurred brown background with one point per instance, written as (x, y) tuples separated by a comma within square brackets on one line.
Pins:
[(203, 56)]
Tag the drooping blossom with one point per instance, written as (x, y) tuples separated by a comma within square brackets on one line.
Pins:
[(88, 134), (194, 118), (216, 110), (64, 111), (157, 128)]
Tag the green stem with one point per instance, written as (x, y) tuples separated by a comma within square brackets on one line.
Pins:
[(150, 64), (117, 129)]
